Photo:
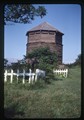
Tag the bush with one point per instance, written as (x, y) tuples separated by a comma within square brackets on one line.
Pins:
[(43, 54), (47, 59)]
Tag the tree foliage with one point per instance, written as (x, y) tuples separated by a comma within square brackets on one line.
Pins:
[(5, 62), (22, 13), (47, 59), (20, 64), (78, 60)]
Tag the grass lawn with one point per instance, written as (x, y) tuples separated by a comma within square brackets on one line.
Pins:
[(59, 99)]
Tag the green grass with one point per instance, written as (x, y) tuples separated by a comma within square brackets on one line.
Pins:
[(59, 99)]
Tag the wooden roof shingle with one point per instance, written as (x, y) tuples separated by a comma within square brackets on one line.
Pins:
[(44, 26)]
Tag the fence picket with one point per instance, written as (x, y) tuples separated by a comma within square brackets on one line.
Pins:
[(5, 75), (17, 75), (11, 79)]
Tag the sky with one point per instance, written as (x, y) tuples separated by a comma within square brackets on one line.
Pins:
[(65, 17)]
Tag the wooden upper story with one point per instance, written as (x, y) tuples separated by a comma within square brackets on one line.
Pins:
[(44, 33)]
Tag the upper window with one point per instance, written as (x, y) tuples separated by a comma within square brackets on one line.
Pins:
[(51, 33), (32, 33), (37, 32), (43, 32)]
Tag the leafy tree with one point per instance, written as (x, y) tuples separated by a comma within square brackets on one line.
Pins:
[(78, 60), (47, 59), (22, 13), (15, 65), (5, 62), (20, 64)]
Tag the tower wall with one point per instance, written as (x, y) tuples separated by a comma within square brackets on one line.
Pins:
[(49, 39)]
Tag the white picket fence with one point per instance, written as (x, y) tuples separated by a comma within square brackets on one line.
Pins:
[(61, 71), (32, 76)]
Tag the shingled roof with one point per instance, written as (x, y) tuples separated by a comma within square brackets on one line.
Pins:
[(44, 26)]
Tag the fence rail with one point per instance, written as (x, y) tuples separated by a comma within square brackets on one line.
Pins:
[(61, 71)]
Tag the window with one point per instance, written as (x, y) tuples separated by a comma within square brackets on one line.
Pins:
[(37, 32), (44, 32), (31, 33), (51, 33)]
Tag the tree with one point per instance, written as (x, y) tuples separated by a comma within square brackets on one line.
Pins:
[(22, 13), (17, 65), (78, 60), (5, 62), (20, 64), (47, 59)]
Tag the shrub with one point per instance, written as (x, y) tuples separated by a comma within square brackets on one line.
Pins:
[(47, 61)]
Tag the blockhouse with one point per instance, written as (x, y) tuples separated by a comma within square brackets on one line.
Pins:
[(45, 35)]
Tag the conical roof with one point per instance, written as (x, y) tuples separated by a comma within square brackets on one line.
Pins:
[(44, 26)]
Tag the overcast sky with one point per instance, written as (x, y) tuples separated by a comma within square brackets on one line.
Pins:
[(64, 17)]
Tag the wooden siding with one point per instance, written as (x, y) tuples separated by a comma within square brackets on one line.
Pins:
[(51, 39)]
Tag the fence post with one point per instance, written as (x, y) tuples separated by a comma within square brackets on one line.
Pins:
[(32, 78), (11, 79), (17, 75), (29, 76), (66, 72), (23, 76), (5, 76), (29, 79), (35, 77)]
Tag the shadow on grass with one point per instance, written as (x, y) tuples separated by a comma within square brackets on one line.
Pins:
[(11, 111), (49, 80)]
